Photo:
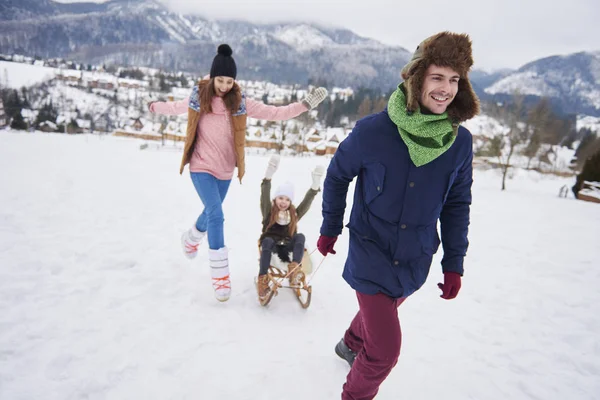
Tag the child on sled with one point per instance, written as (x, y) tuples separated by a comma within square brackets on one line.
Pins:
[(279, 225)]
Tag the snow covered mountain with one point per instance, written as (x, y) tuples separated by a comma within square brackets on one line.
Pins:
[(571, 81), (146, 33), (26, 9)]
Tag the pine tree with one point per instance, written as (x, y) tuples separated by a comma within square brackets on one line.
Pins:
[(586, 147), (25, 101), (18, 122), (73, 126), (162, 84), (13, 104), (46, 113), (590, 172)]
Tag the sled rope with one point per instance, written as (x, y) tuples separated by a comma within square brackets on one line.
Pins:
[(244, 292), (316, 270), (293, 269), (300, 265)]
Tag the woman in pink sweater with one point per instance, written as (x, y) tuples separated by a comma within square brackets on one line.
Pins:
[(217, 111)]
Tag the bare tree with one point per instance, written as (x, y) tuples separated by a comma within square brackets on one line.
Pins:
[(532, 148), (502, 146), (365, 107), (544, 128), (380, 104)]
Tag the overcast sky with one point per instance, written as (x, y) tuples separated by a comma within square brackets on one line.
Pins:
[(505, 33)]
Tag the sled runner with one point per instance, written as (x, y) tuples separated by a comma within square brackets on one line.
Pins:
[(278, 275)]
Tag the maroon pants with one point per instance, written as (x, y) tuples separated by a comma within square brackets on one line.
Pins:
[(375, 336)]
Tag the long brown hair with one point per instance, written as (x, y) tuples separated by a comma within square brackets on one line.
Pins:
[(206, 92), (275, 214)]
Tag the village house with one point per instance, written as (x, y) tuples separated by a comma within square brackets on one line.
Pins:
[(334, 138), (69, 76), (141, 128), (175, 131), (48, 126), (132, 83), (590, 191), (101, 84)]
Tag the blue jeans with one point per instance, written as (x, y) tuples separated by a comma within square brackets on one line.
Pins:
[(212, 192)]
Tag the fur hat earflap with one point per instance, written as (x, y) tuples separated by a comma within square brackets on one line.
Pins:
[(444, 49)]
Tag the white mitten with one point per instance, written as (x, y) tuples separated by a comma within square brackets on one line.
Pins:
[(315, 97), (272, 167), (317, 174)]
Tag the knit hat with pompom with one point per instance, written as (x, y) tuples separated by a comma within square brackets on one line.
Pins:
[(223, 64)]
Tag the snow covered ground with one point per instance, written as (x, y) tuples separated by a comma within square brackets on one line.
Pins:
[(97, 301), (16, 75)]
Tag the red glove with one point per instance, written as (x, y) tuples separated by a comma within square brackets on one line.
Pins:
[(325, 244), (451, 285)]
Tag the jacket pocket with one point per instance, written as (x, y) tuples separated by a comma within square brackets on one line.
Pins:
[(380, 200), (367, 238), (362, 232), (429, 239), (374, 177)]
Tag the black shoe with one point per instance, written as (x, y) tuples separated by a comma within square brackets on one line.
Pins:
[(344, 352)]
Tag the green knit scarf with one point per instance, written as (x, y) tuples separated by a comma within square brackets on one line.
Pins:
[(427, 136)]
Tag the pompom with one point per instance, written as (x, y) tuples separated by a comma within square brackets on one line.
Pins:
[(225, 50)]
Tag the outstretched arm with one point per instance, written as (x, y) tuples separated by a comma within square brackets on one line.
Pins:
[(265, 187), (169, 107), (304, 206), (265, 198), (259, 110)]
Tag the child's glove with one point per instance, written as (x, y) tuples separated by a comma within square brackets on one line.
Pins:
[(317, 174), (315, 97), (272, 167)]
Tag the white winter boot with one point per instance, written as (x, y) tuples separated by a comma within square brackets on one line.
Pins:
[(219, 272), (190, 240)]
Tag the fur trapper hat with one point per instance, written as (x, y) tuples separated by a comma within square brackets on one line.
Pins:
[(444, 49)]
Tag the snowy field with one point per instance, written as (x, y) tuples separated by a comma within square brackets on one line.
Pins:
[(97, 301), (15, 75)]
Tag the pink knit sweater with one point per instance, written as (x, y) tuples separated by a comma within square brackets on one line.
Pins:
[(214, 151)]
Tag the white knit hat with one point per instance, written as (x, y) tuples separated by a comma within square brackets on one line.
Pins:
[(285, 189)]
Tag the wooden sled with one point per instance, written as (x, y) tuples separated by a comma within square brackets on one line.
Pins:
[(278, 275)]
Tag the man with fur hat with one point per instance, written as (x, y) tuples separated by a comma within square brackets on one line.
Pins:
[(413, 164)]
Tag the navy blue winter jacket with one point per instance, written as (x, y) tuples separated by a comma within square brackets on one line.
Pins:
[(393, 222)]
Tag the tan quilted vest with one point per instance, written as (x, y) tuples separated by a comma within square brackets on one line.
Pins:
[(238, 122)]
